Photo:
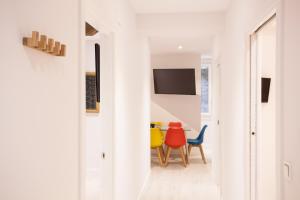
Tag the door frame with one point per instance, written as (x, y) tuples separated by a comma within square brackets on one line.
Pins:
[(251, 181), (108, 31)]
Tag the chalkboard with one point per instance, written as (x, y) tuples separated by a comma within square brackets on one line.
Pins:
[(92, 105)]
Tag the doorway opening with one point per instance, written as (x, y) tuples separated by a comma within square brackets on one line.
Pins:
[(263, 111), (199, 177)]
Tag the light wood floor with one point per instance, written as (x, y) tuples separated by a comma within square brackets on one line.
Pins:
[(178, 183)]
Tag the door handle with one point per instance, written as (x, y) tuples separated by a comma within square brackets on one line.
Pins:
[(287, 170)]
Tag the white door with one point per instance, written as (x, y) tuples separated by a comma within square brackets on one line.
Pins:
[(263, 114)]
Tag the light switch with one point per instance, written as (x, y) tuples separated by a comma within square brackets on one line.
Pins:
[(287, 167)]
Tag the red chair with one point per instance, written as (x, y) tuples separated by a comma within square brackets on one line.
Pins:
[(175, 139), (175, 124)]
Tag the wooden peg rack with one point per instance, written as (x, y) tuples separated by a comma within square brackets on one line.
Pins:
[(45, 45)]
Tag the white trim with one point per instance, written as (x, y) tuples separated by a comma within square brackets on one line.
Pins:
[(81, 86), (279, 101), (144, 185), (114, 137), (248, 116)]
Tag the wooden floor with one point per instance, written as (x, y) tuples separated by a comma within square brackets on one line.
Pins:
[(178, 183)]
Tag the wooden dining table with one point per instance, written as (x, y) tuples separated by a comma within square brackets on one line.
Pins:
[(186, 129)]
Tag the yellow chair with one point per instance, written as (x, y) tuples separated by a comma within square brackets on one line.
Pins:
[(157, 124), (157, 141)]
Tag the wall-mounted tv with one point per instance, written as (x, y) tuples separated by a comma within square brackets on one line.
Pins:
[(174, 81), (265, 89)]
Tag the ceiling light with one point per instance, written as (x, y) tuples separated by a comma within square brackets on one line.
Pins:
[(179, 47)]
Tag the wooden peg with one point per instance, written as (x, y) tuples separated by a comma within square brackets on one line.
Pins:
[(27, 41), (63, 50), (56, 50), (50, 45), (34, 39), (43, 43)]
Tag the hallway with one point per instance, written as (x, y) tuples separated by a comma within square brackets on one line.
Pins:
[(79, 92), (178, 183)]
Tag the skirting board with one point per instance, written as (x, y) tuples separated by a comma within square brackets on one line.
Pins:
[(144, 185)]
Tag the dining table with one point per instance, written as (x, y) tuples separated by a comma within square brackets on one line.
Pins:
[(186, 129)]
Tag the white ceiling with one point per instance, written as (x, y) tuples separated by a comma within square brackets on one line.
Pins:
[(166, 45), (179, 6)]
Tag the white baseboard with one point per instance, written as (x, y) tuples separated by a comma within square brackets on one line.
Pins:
[(144, 185)]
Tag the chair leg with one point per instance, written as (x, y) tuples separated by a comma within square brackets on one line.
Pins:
[(163, 153), (159, 156), (169, 149), (182, 156), (190, 148), (202, 154), (186, 154)]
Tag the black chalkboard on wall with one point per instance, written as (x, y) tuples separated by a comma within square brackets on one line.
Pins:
[(92, 105), (93, 85)]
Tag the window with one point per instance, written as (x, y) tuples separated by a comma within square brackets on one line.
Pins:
[(205, 85)]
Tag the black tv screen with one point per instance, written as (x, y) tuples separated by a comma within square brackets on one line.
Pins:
[(265, 89), (174, 81)]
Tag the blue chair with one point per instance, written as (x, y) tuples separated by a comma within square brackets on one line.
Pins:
[(198, 143)]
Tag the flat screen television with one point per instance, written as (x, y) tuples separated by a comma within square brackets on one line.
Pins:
[(265, 89), (174, 81)]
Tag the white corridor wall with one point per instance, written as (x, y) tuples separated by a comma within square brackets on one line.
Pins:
[(40, 107), (291, 97)]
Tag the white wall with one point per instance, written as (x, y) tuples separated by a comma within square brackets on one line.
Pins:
[(40, 103), (132, 106), (132, 116), (39, 140), (159, 114), (291, 97)]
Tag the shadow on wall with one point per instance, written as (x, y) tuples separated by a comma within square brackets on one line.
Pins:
[(185, 108)]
